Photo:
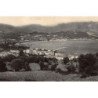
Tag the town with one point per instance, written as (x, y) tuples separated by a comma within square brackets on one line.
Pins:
[(46, 53)]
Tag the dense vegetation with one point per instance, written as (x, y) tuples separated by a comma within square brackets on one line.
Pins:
[(85, 65)]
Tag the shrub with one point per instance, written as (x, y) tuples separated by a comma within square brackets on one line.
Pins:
[(71, 69), (61, 68)]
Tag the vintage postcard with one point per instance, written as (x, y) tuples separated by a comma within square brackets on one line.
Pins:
[(55, 48)]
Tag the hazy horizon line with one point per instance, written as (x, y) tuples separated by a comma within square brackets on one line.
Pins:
[(45, 20), (38, 24)]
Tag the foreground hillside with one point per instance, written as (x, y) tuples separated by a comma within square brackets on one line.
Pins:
[(42, 76)]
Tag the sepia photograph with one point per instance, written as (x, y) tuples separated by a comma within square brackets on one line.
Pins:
[(48, 48)]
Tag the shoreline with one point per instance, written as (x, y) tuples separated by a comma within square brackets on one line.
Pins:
[(62, 40)]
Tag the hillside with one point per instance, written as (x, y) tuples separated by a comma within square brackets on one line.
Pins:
[(73, 30), (74, 26), (42, 76)]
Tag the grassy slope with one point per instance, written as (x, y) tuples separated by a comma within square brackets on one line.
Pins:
[(42, 76)]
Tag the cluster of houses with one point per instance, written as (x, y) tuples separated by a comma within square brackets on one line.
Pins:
[(45, 52), (49, 53), (13, 52)]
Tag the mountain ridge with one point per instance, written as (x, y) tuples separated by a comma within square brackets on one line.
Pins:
[(76, 29)]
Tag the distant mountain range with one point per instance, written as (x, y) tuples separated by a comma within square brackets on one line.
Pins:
[(72, 30)]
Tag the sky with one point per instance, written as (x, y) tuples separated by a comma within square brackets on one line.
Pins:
[(47, 20)]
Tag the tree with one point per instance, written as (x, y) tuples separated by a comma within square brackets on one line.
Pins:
[(3, 67), (18, 64), (53, 62), (71, 69), (8, 58), (86, 64), (65, 60), (43, 65), (21, 53)]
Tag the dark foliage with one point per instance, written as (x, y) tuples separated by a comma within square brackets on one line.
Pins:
[(8, 58), (65, 60), (43, 61), (86, 64), (53, 62), (2, 66), (71, 69), (21, 53), (18, 64), (43, 65)]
